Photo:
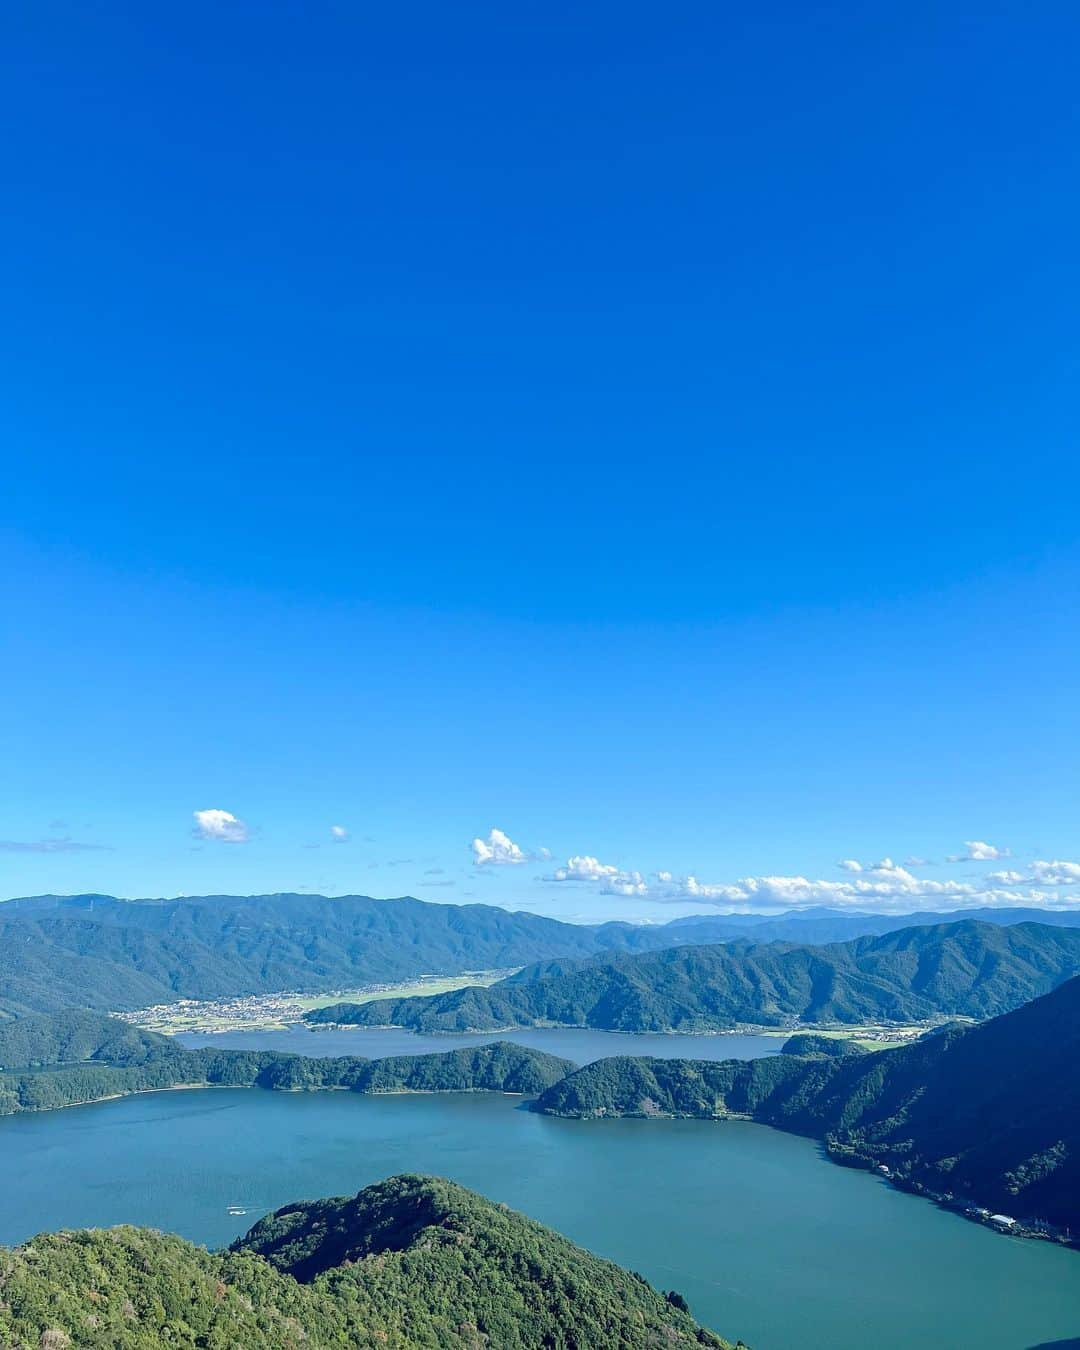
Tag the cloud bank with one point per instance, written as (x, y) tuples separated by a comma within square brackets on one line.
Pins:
[(882, 887)]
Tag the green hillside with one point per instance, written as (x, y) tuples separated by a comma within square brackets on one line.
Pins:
[(98, 952), (74, 1037), (411, 1263), (990, 1114), (960, 969), (807, 1044), (102, 953)]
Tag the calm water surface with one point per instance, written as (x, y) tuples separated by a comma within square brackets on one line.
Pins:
[(581, 1046), (766, 1239)]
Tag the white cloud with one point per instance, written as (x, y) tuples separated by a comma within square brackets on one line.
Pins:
[(220, 825), (1056, 873), (584, 867), (1043, 873), (340, 833), (614, 880), (497, 850), (979, 851), (883, 887), (625, 883), (853, 865)]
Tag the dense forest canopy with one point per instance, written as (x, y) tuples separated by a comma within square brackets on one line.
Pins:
[(409, 1263), (116, 1063)]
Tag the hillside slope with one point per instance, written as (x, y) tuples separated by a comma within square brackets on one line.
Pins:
[(101, 953), (960, 969), (98, 952), (429, 1265)]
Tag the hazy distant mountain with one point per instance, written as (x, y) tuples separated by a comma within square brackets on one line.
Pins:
[(829, 925), (990, 1113), (960, 969)]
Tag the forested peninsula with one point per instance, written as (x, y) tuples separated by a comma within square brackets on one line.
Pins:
[(988, 1115), (413, 1261), (75, 1058)]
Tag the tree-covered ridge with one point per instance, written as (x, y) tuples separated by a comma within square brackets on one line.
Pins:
[(961, 969), (74, 1037), (807, 1043), (103, 953), (464, 1250), (431, 1267), (95, 951), (990, 1114), (117, 1065)]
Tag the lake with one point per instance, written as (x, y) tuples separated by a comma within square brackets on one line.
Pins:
[(766, 1239), (581, 1046)]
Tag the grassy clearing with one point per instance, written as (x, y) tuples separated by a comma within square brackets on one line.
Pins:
[(870, 1037), (423, 988)]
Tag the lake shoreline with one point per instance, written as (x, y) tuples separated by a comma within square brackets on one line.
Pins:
[(255, 1087), (965, 1209), (710, 1212), (902, 1032)]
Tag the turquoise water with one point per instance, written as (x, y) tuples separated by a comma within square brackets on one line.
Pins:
[(767, 1240), (571, 1043)]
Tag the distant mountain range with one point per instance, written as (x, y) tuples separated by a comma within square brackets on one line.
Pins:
[(412, 1261), (965, 969), (988, 1114), (100, 952), (96, 951)]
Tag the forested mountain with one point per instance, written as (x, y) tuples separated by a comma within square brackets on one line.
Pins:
[(94, 951), (99, 952), (960, 969), (76, 1037), (411, 1262), (990, 1114), (807, 1045), (117, 1061)]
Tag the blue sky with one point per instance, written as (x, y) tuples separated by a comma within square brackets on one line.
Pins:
[(650, 436)]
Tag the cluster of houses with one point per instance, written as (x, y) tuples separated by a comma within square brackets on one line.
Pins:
[(1002, 1223)]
